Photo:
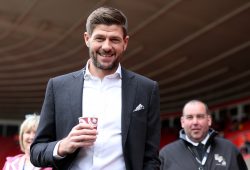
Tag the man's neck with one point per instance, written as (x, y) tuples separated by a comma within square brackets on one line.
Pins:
[(195, 143), (100, 73)]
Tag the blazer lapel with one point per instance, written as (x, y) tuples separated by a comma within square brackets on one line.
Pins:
[(76, 94), (129, 85)]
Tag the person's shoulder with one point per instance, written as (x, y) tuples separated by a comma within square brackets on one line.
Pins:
[(222, 141), (171, 146), (67, 75), (140, 77), (11, 158)]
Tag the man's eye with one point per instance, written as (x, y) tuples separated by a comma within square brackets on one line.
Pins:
[(115, 40), (189, 117), (99, 39), (201, 116)]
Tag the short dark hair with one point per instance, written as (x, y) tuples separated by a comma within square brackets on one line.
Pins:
[(106, 16), (196, 101)]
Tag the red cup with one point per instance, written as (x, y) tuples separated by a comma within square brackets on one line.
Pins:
[(89, 120)]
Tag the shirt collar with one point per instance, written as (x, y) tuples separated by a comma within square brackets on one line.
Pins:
[(88, 75), (186, 138), (204, 141)]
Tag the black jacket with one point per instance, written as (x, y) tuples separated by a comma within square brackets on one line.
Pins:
[(223, 155)]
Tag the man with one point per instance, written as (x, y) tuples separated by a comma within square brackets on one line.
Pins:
[(199, 147), (125, 103)]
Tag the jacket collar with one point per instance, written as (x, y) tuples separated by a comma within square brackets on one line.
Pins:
[(207, 141)]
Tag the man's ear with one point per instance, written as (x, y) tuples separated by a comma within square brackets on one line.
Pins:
[(125, 42), (210, 120), (86, 39), (182, 120)]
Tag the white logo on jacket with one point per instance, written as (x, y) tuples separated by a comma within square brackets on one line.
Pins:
[(220, 160)]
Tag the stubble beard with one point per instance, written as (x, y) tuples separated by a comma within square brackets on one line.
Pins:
[(97, 64)]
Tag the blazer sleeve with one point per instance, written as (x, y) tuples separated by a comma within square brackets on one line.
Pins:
[(60, 111), (152, 141), (151, 159), (43, 145)]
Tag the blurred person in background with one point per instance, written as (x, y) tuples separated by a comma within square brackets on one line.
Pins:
[(26, 135), (199, 146)]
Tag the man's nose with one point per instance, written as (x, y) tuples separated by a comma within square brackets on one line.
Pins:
[(106, 45), (195, 120)]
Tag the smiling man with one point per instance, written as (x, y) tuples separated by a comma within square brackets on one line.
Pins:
[(199, 147), (124, 105), (196, 121)]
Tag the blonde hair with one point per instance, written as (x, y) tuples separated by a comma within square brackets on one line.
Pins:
[(31, 122)]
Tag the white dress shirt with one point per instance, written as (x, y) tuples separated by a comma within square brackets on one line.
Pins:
[(102, 99), (204, 141)]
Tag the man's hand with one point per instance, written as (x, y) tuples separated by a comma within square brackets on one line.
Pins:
[(81, 135)]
